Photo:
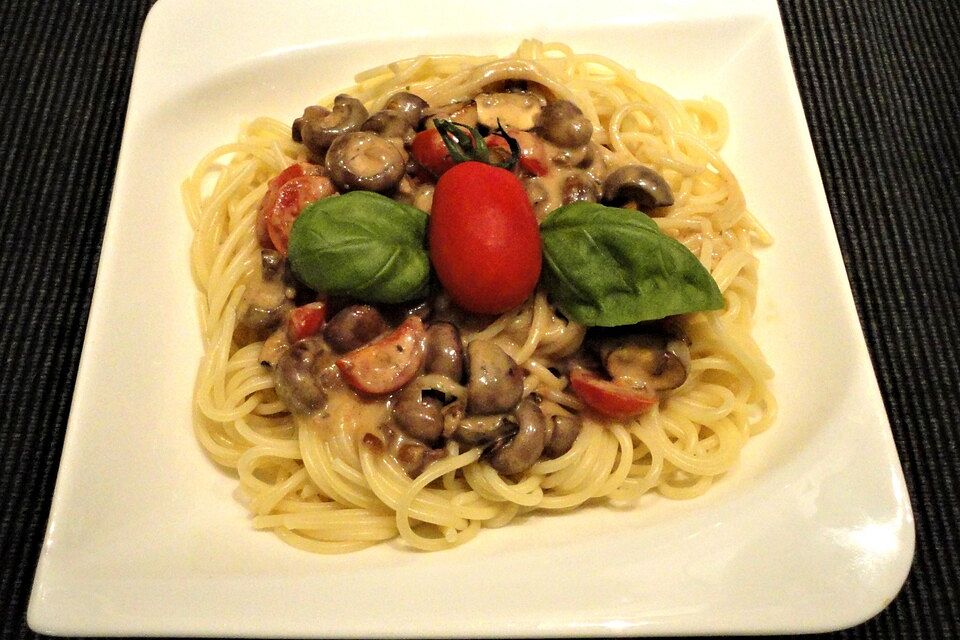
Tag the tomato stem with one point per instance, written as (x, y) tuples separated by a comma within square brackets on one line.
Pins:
[(466, 144)]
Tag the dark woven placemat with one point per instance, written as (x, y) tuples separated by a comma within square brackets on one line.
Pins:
[(879, 81)]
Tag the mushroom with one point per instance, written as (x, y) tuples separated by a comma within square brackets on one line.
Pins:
[(413, 455), (480, 431), (520, 452), (653, 361), (495, 382), (509, 110), (460, 112), (318, 130), (364, 160), (266, 302), (578, 187), (639, 185), (562, 432), (419, 417), (314, 113), (390, 124), (410, 105), (444, 351), (353, 327), (304, 374), (562, 123)]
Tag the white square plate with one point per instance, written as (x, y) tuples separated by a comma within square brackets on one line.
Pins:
[(812, 530)]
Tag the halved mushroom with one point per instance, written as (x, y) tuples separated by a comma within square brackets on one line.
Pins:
[(419, 417), (495, 382), (304, 374), (414, 456), (654, 361), (461, 112), (364, 161), (390, 124), (562, 433), (480, 431), (520, 452), (639, 185), (510, 110), (410, 105), (353, 327), (444, 351), (562, 123), (318, 130), (314, 113), (266, 302)]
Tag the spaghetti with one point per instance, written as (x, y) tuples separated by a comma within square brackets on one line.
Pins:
[(323, 484)]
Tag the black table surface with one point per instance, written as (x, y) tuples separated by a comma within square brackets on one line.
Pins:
[(880, 83)]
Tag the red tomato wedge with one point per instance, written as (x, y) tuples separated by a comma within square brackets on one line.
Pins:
[(287, 194), (389, 363), (484, 238), (533, 155), (306, 321), (608, 397)]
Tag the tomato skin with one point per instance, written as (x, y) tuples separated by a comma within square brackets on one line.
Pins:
[(306, 321), (533, 155), (389, 363), (430, 152), (609, 398), (484, 238), (287, 194)]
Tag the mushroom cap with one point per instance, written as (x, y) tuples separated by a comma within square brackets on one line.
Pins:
[(361, 160), (638, 184)]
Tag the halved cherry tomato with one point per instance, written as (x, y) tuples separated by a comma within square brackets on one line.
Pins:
[(389, 363), (608, 397), (287, 194), (484, 238), (533, 155), (306, 321), (430, 152)]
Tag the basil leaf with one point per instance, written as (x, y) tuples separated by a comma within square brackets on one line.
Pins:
[(362, 245), (608, 267)]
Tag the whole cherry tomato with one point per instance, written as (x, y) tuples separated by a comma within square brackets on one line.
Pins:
[(484, 238)]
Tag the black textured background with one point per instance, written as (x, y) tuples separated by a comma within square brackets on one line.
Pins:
[(879, 81)]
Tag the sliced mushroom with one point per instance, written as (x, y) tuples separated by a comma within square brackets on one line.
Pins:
[(410, 105), (461, 112), (413, 455), (495, 382), (639, 185), (510, 110), (419, 417), (318, 133), (353, 327), (652, 360), (480, 431), (563, 432), (390, 124), (365, 161), (578, 187), (266, 302), (562, 123), (444, 351), (520, 452), (304, 374)]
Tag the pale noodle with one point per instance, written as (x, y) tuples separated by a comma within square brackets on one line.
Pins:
[(315, 485)]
